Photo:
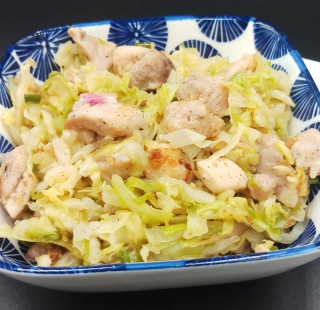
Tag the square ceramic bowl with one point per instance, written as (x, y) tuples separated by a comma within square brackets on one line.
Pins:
[(230, 36)]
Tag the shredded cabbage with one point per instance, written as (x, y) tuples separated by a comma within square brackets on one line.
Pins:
[(94, 197)]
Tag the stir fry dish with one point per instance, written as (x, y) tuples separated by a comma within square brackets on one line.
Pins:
[(132, 154)]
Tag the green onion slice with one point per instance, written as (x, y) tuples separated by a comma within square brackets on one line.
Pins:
[(144, 44), (32, 98)]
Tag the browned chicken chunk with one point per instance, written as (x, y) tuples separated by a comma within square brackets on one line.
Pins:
[(16, 182), (205, 89), (247, 63), (265, 186), (103, 114), (221, 174), (269, 159), (305, 149), (166, 160), (97, 51), (192, 115), (148, 68), (37, 249)]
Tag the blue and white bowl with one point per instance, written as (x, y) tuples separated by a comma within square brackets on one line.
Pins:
[(230, 36)]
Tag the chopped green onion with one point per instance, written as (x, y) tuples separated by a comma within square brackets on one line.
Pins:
[(32, 98), (144, 44), (130, 256), (313, 181)]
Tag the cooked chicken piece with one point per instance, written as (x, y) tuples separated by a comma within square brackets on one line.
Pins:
[(305, 149), (238, 230), (247, 63), (151, 71), (266, 185), (221, 174), (166, 160), (37, 249), (97, 51), (103, 114), (124, 57), (269, 155), (286, 192), (269, 158), (205, 89), (16, 182), (148, 68), (191, 115)]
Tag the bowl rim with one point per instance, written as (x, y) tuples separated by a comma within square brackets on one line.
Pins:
[(172, 17), (287, 253), (301, 250)]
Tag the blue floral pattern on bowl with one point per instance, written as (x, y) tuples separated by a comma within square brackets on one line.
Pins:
[(135, 31), (205, 50), (269, 43), (305, 94), (228, 36), (223, 28)]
